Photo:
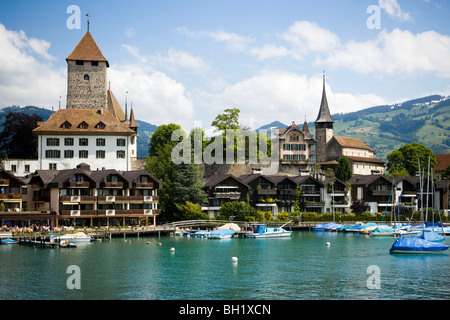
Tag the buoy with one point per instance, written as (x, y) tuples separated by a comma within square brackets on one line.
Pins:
[(159, 243), (234, 259), (328, 244), (172, 249)]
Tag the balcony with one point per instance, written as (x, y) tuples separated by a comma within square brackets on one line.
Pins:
[(78, 213), (113, 185), (266, 192), (233, 195), (4, 182), (106, 199), (143, 185), (10, 196), (79, 184), (381, 192)]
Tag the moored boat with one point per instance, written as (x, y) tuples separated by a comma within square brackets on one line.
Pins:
[(8, 241), (221, 234), (417, 245), (76, 237), (262, 231)]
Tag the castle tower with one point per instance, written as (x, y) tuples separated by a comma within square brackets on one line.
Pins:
[(86, 76), (323, 127)]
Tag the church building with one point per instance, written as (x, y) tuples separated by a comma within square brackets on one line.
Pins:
[(330, 148)]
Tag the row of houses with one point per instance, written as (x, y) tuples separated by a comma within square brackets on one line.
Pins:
[(80, 195), (281, 193)]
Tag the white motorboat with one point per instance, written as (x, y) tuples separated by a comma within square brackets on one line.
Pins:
[(262, 231), (76, 237)]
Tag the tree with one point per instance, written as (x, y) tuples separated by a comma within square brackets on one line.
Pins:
[(446, 173), (359, 206), (192, 211), (407, 158), (182, 183), (344, 170), (227, 120), (161, 137), (239, 210), (17, 139)]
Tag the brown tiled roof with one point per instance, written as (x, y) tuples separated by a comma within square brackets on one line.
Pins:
[(352, 143), (365, 159), (442, 162), (133, 123), (76, 116), (87, 50)]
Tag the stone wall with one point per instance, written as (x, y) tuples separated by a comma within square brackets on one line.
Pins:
[(86, 94)]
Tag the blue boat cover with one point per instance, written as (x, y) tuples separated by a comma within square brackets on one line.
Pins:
[(222, 232), (432, 236), (416, 244), (8, 240)]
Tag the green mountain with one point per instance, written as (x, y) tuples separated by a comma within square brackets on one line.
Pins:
[(145, 129)]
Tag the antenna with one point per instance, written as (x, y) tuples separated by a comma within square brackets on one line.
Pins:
[(88, 16)]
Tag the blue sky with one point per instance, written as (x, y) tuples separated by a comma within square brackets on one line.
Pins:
[(185, 62)]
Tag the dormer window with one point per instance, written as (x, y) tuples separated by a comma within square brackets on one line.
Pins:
[(66, 125), (83, 125), (86, 77), (100, 126)]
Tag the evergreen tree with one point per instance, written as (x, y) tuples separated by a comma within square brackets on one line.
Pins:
[(344, 170), (17, 139), (182, 183)]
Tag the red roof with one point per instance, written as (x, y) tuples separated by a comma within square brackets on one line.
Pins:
[(442, 162)]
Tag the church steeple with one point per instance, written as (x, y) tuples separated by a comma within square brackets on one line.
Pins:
[(324, 115), (324, 127)]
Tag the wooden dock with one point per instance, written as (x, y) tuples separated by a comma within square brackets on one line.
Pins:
[(43, 242)]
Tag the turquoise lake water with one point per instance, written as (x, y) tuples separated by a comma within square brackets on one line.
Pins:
[(297, 268)]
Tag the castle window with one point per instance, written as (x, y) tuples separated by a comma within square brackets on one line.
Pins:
[(79, 62), (94, 63), (100, 126), (100, 154), (83, 141), (68, 141), (52, 141), (101, 142), (83, 125), (83, 154), (68, 154), (86, 77), (120, 154), (121, 142), (66, 125)]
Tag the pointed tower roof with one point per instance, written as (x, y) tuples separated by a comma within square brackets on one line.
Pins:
[(114, 107), (324, 113), (306, 129), (133, 123), (87, 50)]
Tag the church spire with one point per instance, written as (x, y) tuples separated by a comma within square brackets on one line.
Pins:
[(324, 115)]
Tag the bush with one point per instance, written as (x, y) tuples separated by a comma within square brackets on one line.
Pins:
[(283, 216)]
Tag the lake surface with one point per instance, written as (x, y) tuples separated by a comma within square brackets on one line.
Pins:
[(297, 268)]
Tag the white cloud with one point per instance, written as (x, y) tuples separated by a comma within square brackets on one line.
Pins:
[(173, 60), (307, 37), (392, 8), (269, 51), (234, 41), (395, 52), (286, 97), (156, 98), (27, 76)]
